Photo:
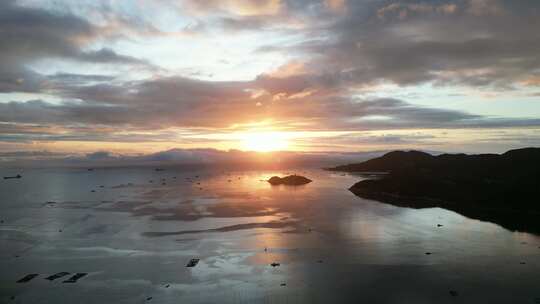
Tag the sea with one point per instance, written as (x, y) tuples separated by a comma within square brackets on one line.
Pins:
[(134, 230)]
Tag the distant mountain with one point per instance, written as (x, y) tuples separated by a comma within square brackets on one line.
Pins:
[(502, 188), (186, 158)]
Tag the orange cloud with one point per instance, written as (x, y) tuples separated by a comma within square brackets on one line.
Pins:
[(238, 7), (336, 5), (292, 68), (531, 81)]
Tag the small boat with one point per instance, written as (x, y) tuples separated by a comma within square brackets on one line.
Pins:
[(11, 177), (192, 263)]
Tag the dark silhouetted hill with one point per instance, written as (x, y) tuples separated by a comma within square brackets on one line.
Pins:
[(503, 188), (388, 162)]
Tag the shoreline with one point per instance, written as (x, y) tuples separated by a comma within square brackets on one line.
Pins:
[(511, 219)]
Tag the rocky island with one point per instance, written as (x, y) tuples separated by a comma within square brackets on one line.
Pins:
[(502, 188), (291, 180)]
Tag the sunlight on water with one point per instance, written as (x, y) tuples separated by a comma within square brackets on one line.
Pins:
[(134, 230)]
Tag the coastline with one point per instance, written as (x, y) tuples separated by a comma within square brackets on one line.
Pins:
[(511, 219)]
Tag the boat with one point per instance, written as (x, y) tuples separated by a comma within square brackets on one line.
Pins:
[(192, 263)]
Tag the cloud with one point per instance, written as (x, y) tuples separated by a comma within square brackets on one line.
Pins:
[(32, 34), (403, 11), (485, 7), (209, 105), (335, 49), (400, 42), (237, 7)]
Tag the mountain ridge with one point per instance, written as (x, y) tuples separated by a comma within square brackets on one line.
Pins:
[(502, 188)]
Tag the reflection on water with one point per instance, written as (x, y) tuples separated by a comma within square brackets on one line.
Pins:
[(134, 229)]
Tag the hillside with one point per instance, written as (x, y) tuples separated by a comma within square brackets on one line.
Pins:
[(503, 188)]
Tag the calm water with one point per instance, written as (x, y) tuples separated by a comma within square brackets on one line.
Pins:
[(134, 239)]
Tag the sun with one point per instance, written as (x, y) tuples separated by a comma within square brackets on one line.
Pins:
[(264, 141)]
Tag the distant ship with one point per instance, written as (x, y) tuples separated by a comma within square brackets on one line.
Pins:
[(10, 177)]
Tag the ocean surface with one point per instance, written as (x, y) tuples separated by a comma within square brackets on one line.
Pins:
[(133, 230)]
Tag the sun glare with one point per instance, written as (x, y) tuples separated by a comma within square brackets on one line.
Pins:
[(264, 142)]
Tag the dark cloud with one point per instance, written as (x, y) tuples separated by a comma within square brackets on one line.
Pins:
[(32, 34), (475, 43), (72, 80)]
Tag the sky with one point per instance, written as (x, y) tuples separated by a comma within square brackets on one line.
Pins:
[(144, 76)]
